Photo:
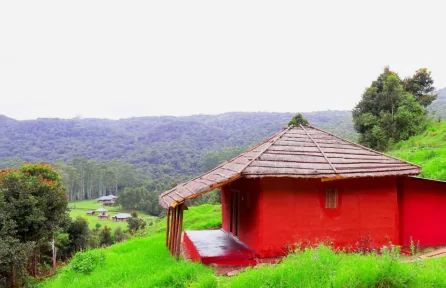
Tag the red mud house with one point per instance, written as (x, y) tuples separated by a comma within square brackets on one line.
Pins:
[(304, 184)]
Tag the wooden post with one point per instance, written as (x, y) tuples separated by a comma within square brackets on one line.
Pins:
[(173, 231), (168, 227), (178, 234)]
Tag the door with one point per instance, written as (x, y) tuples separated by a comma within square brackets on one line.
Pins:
[(235, 213)]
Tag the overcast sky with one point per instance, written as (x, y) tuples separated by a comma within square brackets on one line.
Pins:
[(119, 59)]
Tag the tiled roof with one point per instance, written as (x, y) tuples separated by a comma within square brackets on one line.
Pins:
[(298, 152)]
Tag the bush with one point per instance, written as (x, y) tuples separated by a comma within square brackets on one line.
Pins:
[(118, 235), (85, 262), (105, 237)]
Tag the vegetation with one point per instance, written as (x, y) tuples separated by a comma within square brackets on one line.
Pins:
[(392, 110), (80, 208), (427, 149), (33, 208), (145, 262), (155, 146), (322, 267), (298, 120), (438, 107), (142, 262), (420, 85)]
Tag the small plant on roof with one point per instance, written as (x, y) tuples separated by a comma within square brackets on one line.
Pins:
[(298, 120)]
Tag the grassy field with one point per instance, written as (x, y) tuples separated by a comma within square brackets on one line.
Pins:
[(321, 267), (79, 208), (427, 150), (145, 262)]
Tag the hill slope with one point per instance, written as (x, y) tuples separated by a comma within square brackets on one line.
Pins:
[(438, 107), (176, 142), (427, 149)]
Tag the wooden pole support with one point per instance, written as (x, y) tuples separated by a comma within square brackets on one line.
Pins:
[(168, 227), (178, 234)]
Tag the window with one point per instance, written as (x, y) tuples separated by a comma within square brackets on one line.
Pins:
[(331, 198)]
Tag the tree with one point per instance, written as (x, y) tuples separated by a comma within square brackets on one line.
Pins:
[(387, 113), (78, 234), (298, 120), (420, 85), (34, 203), (118, 235), (135, 224), (105, 237)]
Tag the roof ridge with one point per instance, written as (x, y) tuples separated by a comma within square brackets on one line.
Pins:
[(278, 136), (320, 149), (366, 148), (168, 192)]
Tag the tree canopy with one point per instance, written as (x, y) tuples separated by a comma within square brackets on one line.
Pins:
[(33, 207), (420, 85), (388, 111), (297, 120)]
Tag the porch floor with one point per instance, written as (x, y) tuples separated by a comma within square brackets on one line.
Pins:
[(217, 247)]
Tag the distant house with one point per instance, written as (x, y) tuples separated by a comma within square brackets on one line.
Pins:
[(107, 200), (103, 217), (121, 217), (305, 185), (90, 212), (102, 214)]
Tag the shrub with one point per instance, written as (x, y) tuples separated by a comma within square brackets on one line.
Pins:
[(118, 235), (105, 238), (85, 262)]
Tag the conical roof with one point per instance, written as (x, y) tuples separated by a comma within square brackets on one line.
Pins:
[(297, 152)]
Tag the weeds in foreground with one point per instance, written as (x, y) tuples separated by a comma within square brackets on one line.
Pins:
[(322, 267)]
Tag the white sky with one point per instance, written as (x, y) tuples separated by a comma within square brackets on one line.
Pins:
[(118, 59)]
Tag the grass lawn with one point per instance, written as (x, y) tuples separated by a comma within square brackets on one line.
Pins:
[(427, 150), (146, 262), (79, 208)]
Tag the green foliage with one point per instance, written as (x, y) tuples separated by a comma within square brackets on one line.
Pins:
[(322, 267), (196, 218), (33, 208), (297, 120), (78, 233), (105, 237), (387, 113), (420, 85), (438, 107), (427, 149), (118, 235), (135, 224), (138, 262), (145, 262), (155, 146), (86, 262)]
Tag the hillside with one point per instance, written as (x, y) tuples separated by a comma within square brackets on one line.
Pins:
[(177, 143), (438, 107), (427, 150), (146, 262)]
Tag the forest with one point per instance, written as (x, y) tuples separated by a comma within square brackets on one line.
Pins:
[(138, 158)]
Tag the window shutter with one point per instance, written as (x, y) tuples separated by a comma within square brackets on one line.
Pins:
[(331, 198)]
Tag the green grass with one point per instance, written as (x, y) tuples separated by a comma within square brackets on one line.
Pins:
[(145, 262), (79, 208), (139, 262), (199, 217), (427, 150), (321, 267)]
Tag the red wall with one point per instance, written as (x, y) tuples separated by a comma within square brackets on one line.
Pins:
[(278, 212), (422, 211), (249, 231)]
